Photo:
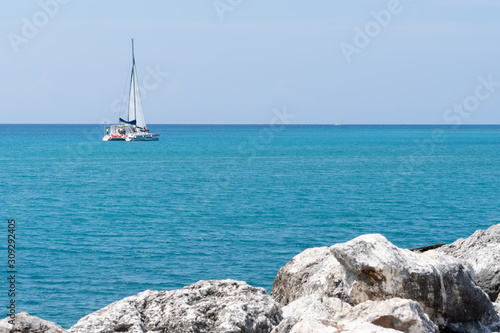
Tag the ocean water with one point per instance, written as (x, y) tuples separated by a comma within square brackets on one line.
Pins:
[(99, 221)]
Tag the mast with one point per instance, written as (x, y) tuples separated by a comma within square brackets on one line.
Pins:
[(135, 112), (133, 57), (133, 70)]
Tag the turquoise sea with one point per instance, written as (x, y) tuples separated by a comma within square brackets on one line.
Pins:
[(99, 221)]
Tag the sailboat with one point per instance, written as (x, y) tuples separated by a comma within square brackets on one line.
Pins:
[(134, 128)]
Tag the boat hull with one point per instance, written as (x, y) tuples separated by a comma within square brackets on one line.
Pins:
[(144, 137), (127, 133), (110, 138)]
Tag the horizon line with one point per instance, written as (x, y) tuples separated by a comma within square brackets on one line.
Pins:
[(263, 124)]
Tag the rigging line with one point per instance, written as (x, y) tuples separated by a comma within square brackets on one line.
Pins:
[(124, 98)]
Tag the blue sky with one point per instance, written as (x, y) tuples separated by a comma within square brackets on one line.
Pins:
[(428, 62)]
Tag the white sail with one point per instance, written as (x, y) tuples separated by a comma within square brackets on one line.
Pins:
[(139, 114), (135, 106), (131, 102)]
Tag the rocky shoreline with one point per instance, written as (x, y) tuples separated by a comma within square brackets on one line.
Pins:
[(364, 285)]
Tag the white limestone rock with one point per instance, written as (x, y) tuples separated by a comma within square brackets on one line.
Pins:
[(399, 314), (206, 306), (482, 252), (314, 270), (316, 310), (312, 325), (375, 269), (318, 306), (25, 323), (315, 306)]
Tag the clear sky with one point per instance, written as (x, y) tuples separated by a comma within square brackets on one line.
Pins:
[(234, 61)]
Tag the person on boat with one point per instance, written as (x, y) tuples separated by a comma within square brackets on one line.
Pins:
[(107, 131)]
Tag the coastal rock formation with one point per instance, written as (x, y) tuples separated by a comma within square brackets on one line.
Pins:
[(399, 314), (315, 270), (370, 268), (317, 306), (482, 252), (315, 309), (364, 285), (330, 326), (206, 306), (497, 308), (26, 323), (378, 270), (319, 310)]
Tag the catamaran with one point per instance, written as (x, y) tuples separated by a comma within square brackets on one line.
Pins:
[(134, 128)]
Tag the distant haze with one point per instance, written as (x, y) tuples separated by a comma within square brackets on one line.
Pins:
[(235, 61)]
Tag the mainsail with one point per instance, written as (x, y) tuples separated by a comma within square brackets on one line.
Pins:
[(135, 113)]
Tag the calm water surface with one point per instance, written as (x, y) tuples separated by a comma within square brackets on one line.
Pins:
[(99, 221)]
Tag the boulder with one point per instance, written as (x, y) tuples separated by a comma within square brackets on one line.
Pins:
[(314, 270), (371, 268), (317, 306), (315, 309), (311, 325), (375, 269), (320, 310), (286, 325), (206, 306), (26, 323), (399, 314), (472, 327), (496, 326), (482, 252)]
